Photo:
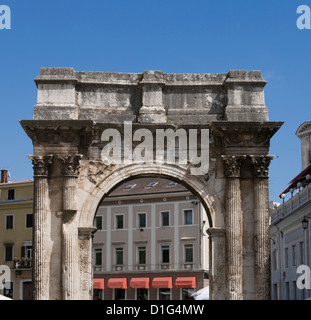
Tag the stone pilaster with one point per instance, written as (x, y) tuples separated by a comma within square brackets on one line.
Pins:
[(234, 226), (40, 266), (261, 225), (217, 272), (152, 109), (70, 166), (86, 269), (70, 254)]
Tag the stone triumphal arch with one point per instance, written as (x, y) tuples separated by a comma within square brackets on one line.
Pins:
[(71, 176)]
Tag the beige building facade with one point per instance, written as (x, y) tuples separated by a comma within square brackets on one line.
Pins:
[(16, 223), (150, 228)]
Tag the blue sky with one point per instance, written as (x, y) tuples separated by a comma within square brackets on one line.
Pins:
[(198, 36)]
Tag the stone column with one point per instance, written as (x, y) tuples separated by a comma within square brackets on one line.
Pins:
[(70, 166), (86, 268), (261, 226), (40, 265), (217, 258), (234, 226), (70, 254)]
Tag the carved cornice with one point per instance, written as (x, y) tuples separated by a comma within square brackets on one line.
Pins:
[(232, 165), (244, 134), (41, 165), (261, 165), (70, 164)]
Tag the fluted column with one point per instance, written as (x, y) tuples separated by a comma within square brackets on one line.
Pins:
[(261, 226), (217, 257), (40, 265), (234, 226), (86, 268), (70, 166), (70, 254)]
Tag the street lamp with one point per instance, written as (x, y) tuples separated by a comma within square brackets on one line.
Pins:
[(283, 196), (292, 190), (304, 222), (299, 185)]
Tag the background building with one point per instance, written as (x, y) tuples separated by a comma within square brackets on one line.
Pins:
[(16, 212), (150, 242), (290, 228)]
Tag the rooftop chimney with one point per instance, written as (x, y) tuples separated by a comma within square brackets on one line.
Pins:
[(4, 176)]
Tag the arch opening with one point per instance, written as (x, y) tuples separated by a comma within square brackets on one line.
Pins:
[(150, 228)]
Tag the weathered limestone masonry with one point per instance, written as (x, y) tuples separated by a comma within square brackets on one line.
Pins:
[(73, 108)]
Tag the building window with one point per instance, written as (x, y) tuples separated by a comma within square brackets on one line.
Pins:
[(119, 294), (119, 256), (294, 290), (188, 217), (287, 291), (98, 223), (151, 185), (9, 221), (276, 291), (186, 294), (141, 223), (142, 294), (8, 252), (189, 253), (286, 257), (141, 255), (165, 254), (8, 290), (26, 251), (11, 194), (275, 260), (119, 221), (165, 218), (130, 186), (301, 253), (164, 294), (98, 257), (97, 294), (293, 255), (29, 220)]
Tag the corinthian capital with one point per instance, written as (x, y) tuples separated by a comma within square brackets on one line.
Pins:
[(41, 165), (232, 165), (70, 164), (261, 165)]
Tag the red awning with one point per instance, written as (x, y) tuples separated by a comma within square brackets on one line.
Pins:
[(163, 282), (117, 283), (185, 282), (299, 178), (99, 283), (140, 283)]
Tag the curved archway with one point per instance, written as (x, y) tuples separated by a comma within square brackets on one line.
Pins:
[(195, 184)]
